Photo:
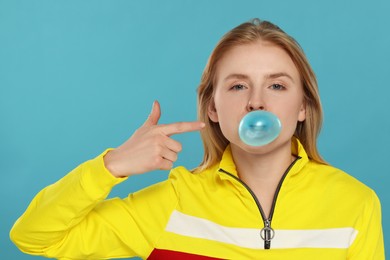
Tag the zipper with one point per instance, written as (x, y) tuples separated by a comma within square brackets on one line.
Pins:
[(267, 233)]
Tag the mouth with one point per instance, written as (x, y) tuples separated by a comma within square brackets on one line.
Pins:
[(258, 128)]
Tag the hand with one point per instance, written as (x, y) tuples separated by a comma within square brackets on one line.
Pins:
[(149, 148)]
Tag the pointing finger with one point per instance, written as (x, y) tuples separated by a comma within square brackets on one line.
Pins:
[(182, 127)]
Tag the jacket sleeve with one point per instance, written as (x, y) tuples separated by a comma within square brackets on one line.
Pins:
[(369, 244), (71, 218)]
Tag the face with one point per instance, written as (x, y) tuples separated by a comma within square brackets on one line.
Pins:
[(256, 76)]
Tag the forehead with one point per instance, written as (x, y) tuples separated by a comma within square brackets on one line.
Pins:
[(256, 60)]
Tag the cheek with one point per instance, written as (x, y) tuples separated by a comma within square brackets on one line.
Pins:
[(290, 117), (228, 121), (229, 118), (289, 124)]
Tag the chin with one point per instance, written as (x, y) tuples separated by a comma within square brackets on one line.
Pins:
[(275, 145)]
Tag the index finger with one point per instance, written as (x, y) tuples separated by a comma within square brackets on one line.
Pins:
[(181, 127)]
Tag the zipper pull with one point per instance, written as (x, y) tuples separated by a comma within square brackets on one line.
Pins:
[(267, 234)]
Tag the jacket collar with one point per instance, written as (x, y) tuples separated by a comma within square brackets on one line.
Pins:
[(227, 161)]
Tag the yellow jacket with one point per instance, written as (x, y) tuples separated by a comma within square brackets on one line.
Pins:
[(319, 213)]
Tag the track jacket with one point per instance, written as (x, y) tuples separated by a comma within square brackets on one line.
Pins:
[(319, 212)]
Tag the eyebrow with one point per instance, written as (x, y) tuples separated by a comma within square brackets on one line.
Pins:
[(268, 76), (236, 76), (278, 75)]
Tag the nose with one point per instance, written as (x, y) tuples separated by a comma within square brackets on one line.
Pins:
[(255, 105)]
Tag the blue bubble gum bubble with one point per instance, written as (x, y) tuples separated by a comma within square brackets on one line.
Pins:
[(258, 128)]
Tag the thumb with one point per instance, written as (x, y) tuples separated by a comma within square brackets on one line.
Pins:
[(154, 115)]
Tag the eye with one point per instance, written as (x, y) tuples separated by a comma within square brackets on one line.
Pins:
[(238, 87), (277, 87)]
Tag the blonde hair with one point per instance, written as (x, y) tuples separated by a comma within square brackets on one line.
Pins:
[(307, 131)]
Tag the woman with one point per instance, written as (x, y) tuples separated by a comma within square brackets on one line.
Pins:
[(277, 201)]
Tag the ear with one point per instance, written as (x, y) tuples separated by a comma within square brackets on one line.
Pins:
[(212, 112), (302, 112)]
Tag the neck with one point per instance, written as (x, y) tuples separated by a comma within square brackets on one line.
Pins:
[(265, 168)]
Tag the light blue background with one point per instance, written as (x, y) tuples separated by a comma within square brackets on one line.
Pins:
[(77, 77)]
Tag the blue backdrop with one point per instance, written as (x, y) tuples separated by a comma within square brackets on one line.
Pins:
[(77, 77)]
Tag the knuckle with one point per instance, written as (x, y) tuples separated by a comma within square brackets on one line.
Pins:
[(157, 162), (164, 166), (169, 165), (156, 139), (156, 151), (181, 127), (179, 147), (158, 147)]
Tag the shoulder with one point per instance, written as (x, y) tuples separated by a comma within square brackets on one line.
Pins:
[(338, 181), (184, 179), (336, 194), (182, 174)]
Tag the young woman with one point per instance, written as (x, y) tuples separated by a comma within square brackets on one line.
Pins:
[(277, 201)]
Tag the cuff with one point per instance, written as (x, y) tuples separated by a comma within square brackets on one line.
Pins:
[(96, 179)]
